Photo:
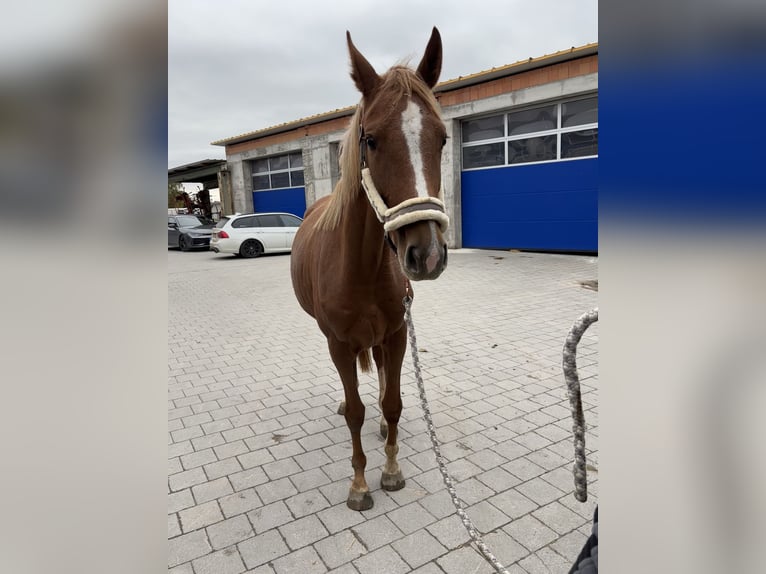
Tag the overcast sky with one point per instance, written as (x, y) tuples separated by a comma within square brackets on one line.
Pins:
[(236, 66)]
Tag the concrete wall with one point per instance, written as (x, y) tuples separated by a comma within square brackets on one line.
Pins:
[(317, 168)]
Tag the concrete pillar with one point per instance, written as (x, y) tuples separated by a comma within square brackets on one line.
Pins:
[(224, 188)]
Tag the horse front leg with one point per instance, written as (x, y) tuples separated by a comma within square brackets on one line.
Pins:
[(377, 353), (359, 497), (391, 403)]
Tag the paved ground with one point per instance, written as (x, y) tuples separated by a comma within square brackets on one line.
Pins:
[(259, 463)]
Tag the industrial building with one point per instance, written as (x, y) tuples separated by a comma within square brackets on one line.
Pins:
[(519, 169)]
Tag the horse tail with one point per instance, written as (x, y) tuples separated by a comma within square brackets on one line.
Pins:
[(365, 362)]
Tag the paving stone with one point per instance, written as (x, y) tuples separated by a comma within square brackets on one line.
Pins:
[(230, 449), (262, 549), (430, 568), (340, 517), (281, 468), (305, 503), (180, 500), (275, 490), (186, 434), (207, 441), (303, 531), (270, 516), (530, 532), (225, 561), (229, 532), (505, 548), (411, 517), (200, 516), (378, 532), (381, 560), (559, 518), (524, 468), (222, 468), (569, 545), (498, 479), (255, 458), (303, 561), (513, 503), (439, 504), (309, 479), (174, 529), (211, 490), (464, 560), (340, 548), (472, 491), (186, 479), (545, 561), (240, 502), (539, 491), (418, 548), (187, 547)]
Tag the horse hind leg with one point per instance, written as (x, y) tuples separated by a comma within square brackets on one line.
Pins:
[(364, 364), (377, 353), (391, 405), (359, 497)]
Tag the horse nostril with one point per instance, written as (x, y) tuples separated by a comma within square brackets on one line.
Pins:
[(411, 258)]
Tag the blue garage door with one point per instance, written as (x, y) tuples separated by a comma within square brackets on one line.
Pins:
[(550, 206), (290, 200), (523, 185)]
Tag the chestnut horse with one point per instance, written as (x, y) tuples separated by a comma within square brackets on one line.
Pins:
[(353, 255)]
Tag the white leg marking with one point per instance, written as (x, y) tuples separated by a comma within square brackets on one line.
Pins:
[(412, 126)]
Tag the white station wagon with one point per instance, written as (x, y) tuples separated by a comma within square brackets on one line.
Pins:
[(253, 234)]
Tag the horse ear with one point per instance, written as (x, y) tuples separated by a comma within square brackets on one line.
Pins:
[(431, 65), (364, 75)]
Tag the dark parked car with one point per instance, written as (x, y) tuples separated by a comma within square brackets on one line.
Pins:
[(189, 232)]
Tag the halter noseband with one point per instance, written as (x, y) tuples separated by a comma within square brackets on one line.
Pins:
[(408, 211)]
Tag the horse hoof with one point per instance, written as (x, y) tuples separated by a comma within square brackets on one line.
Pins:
[(384, 430), (392, 481), (342, 408), (359, 500)]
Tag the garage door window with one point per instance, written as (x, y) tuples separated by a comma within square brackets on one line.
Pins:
[(278, 172), (552, 132)]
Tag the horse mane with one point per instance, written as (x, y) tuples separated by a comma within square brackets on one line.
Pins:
[(402, 82)]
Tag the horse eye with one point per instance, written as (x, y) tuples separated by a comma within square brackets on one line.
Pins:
[(370, 142), (444, 141)]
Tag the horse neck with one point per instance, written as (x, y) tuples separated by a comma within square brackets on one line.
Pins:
[(363, 247)]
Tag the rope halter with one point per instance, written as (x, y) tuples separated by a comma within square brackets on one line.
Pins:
[(408, 211)]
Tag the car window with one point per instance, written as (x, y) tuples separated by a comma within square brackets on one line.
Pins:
[(271, 220), (290, 220), (221, 222), (244, 222), (189, 221)]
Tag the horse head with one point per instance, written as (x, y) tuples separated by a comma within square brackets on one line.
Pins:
[(401, 137)]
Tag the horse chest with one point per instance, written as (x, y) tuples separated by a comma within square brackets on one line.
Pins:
[(364, 324)]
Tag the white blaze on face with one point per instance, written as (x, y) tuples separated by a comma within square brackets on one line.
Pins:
[(412, 126)]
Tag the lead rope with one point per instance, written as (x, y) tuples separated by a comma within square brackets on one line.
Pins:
[(448, 482), (575, 401)]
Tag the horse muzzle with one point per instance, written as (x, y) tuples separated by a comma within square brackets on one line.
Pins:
[(421, 264)]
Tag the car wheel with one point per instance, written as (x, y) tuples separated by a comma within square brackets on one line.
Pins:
[(184, 243), (251, 248)]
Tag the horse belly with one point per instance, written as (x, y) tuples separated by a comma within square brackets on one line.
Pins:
[(300, 271)]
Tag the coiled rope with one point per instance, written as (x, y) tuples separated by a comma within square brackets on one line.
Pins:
[(575, 400)]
